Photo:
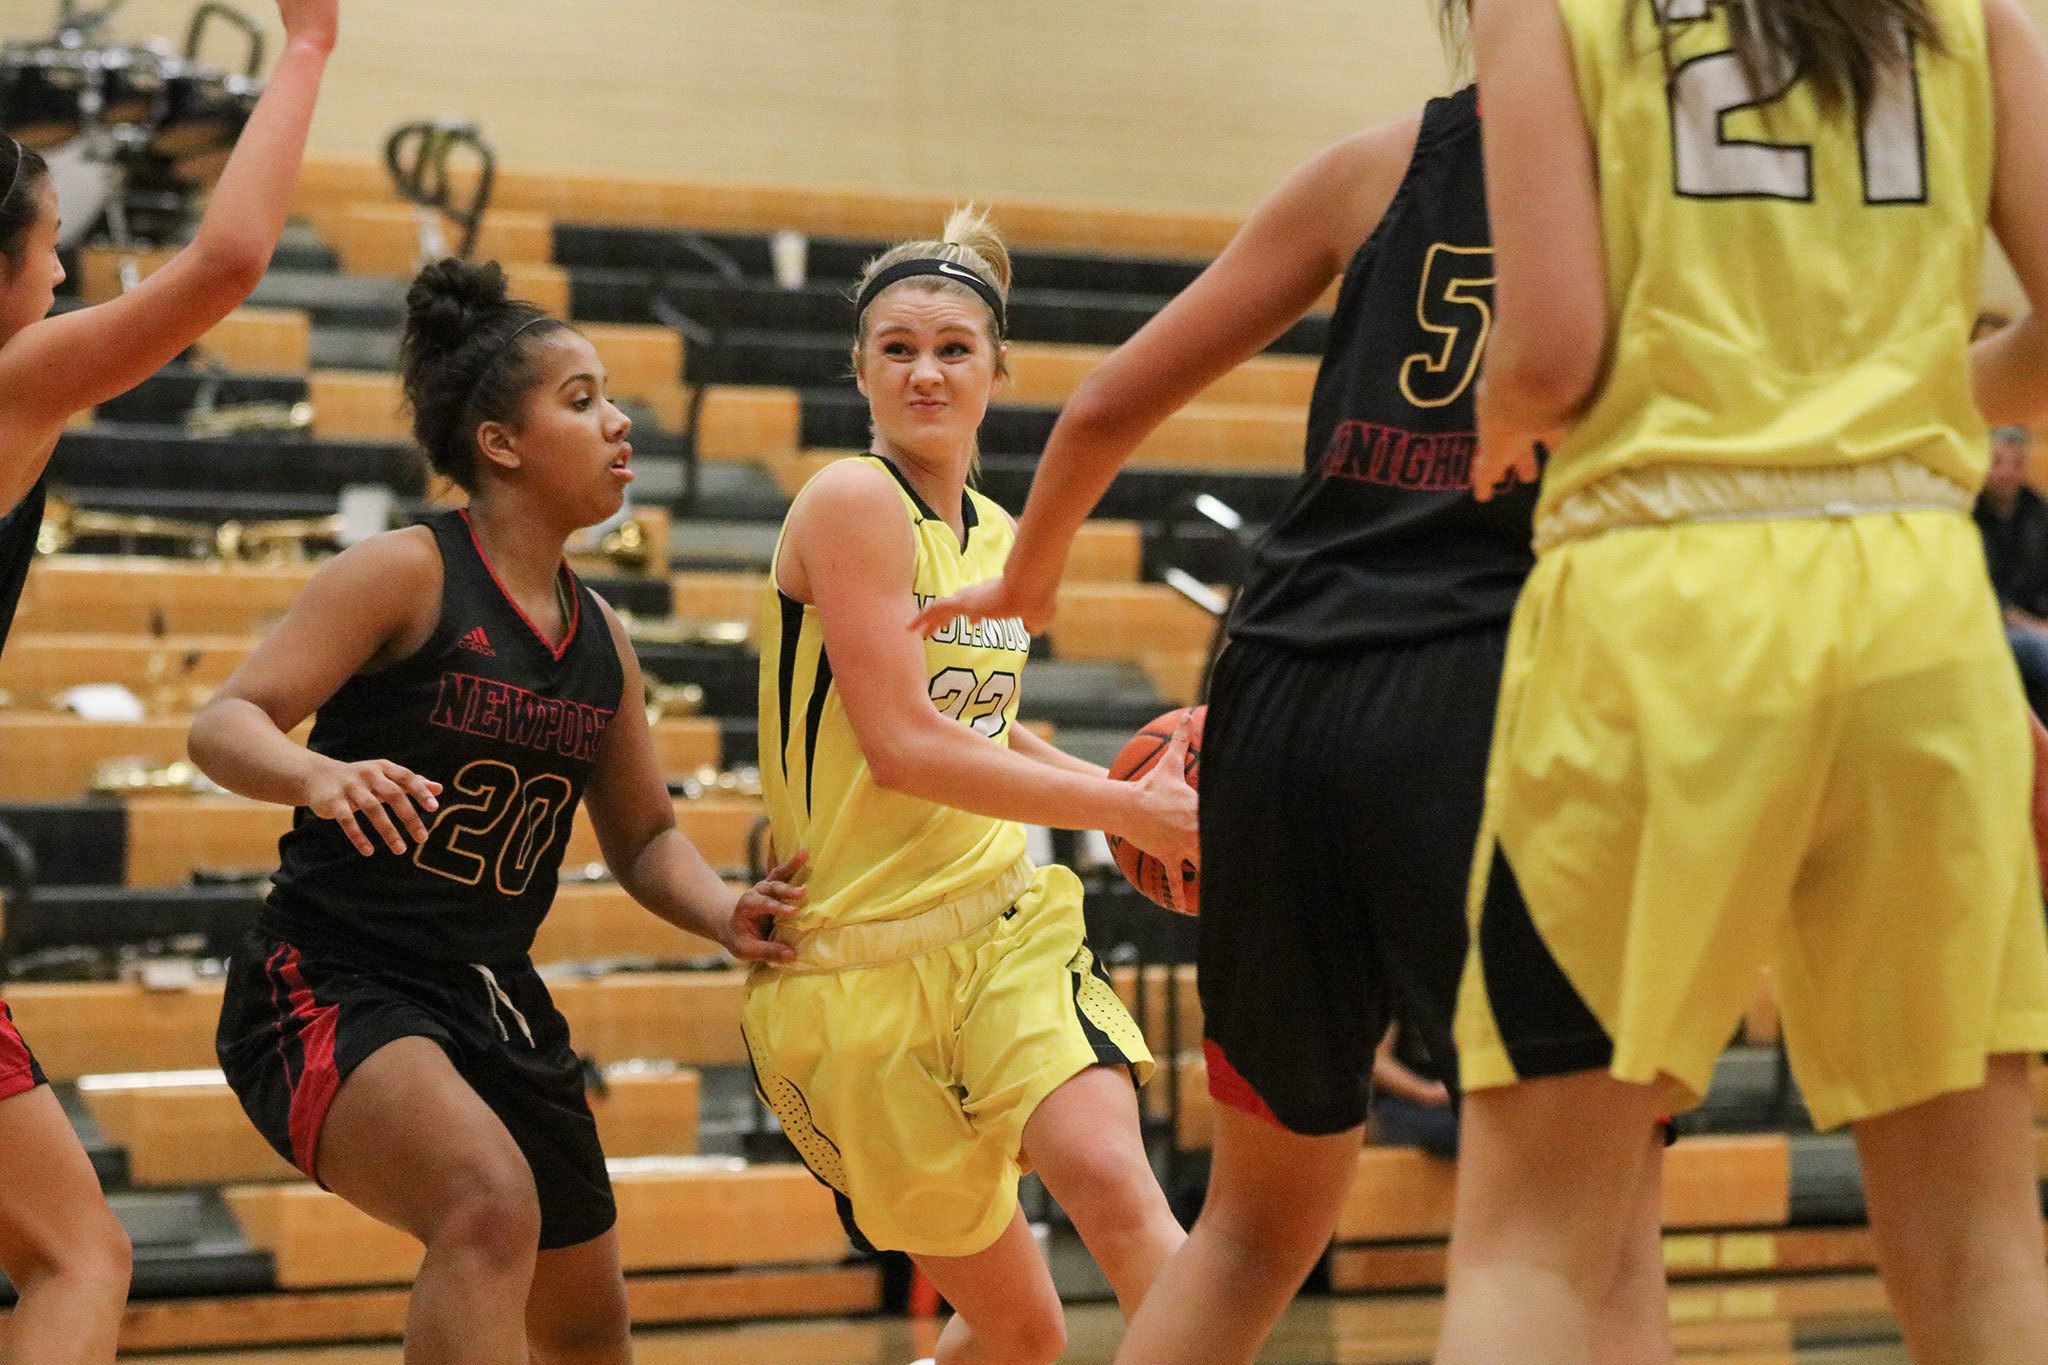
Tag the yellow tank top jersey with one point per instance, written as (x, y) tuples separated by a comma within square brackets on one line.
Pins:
[(1786, 289), (877, 855)]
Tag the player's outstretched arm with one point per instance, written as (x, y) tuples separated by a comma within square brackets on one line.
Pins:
[(658, 866), (1270, 274), (2012, 365), (854, 547), (65, 364), (372, 604), (1544, 357)]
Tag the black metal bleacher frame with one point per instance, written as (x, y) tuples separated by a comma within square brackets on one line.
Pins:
[(711, 333)]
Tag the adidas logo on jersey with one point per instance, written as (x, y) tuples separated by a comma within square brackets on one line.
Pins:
[(477, 643)]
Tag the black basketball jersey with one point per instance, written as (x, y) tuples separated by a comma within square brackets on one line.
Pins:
[(18, 532), (508, 725), (1383, 542)]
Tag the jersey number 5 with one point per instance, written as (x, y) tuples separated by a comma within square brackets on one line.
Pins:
[(466, 840), (1709, 164), (1456, 307)]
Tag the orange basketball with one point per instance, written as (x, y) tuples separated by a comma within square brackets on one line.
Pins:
[(1134, 760)]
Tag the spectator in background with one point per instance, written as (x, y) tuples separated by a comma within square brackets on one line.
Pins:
[(2013, 520)]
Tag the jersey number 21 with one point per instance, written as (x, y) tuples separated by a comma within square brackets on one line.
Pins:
[(1709, 164)]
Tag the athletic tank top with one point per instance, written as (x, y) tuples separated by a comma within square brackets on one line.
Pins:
[(1383, 542), (878, 855), (18, 532), (508, 724), (1787, 289)]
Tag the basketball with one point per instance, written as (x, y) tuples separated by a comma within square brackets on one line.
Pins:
[(1133, 761)]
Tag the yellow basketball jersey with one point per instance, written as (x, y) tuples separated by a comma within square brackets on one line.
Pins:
[(1787, 289), (878, 855)]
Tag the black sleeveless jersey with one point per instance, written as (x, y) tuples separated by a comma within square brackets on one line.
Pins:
[(18, 532), (508, 725), (1383, 542)]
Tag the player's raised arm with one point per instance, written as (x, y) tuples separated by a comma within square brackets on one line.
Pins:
[(2012, 365), (61, 365), (1550, 294), (1270, 274)]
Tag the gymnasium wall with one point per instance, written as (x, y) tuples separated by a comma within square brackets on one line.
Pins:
[(1199, 104)]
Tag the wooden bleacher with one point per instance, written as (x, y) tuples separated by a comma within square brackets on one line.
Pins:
[(187, 1128)]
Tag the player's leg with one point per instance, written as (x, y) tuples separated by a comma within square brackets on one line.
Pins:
[(1955, 1206), (1549, 1175), (1916, 947), (410, 1143), (576, 1311), (1293, 995), (1085, 1142), (1272, 1207), (1006, 1310), (59, 1242), (1634, 1317)]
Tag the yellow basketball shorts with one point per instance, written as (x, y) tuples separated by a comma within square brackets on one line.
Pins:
[(906, 1086), (1722, 747)]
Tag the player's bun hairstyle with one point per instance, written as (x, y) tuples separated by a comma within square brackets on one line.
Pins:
[(468, 356), (970, 241), (1844, 49), (22, 173)]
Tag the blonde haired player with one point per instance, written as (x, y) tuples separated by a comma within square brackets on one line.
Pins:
[(1758, 707), (943, 1021)]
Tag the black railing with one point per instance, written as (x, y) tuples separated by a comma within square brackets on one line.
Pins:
[(418, 154)]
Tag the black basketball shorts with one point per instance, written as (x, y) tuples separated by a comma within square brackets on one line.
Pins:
[(295, 1022), (1341, 796)]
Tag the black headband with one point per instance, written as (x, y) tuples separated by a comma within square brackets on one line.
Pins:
[(945, 270)]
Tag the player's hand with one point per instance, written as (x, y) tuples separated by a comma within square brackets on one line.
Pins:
[(2040, 792), (1390, 1076), (996, 599), (1500, 459), (389, 796), (1166, 818), (314, 23), (750, 929)]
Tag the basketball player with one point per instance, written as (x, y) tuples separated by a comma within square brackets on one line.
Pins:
[(1365, 654), (383, 1024), (1757, 706), (943, 1023), (59, 1242)]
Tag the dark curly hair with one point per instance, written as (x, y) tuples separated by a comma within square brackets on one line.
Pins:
[(468, 356), (24, 171)]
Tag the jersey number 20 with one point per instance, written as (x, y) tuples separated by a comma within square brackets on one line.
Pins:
[(468, 837), (1708, 164)]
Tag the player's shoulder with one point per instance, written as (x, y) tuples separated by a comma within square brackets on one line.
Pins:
[(401, 561)]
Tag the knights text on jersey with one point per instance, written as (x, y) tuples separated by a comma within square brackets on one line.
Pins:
[(509, 725), (1383, 542)]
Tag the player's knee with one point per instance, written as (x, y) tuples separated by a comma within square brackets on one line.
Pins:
[(1104, 1187), (1034, 1338), (597, 1323), (1271, 1238), (491, 1213), (93, 1254)]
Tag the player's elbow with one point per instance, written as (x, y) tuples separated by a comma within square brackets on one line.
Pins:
[(1542, 383), (232, 265)]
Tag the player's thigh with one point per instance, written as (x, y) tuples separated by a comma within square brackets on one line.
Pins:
[(1916, 946), (411, 1143), (1290, 977)]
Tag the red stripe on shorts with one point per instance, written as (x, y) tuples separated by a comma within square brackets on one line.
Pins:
[(318, 1079), (1226, 1087), (17, 1067)]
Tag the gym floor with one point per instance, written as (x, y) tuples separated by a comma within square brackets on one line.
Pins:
[(1317, 1331)]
